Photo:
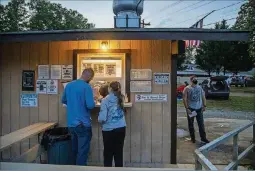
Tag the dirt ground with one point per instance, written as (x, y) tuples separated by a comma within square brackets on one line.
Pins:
[(215, 127)]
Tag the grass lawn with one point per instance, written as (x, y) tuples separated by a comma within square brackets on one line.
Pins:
[(242, 89), (246, 104)]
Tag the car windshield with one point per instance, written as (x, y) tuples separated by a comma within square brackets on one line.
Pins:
[(218, 85)]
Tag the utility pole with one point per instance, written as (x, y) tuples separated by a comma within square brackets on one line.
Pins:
[(143, 24)]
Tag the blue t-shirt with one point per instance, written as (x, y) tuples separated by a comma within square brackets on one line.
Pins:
[(78, 96), (111, 115)]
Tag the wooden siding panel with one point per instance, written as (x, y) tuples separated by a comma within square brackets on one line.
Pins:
[(136, 118), (166, 106), (157, 66), (146, 107), (15, 91), (53, 99), (6, 95), (33, 65), (24, 111), (43, 99), (63, 59), (94, 156)]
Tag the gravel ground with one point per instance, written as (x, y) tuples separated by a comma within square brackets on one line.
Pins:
[(222, 114)]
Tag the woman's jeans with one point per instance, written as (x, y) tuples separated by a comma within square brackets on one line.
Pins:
[(81, 137)]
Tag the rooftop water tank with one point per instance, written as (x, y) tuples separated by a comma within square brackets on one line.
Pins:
[(127, 13)]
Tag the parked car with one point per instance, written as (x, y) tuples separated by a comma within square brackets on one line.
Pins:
[(236, 81), (250, 82), (216, 87)]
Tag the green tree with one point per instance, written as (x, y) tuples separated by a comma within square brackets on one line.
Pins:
[(52, 16), (2, 18), (246, 21), (205, 57), (15, 15), (186, 58)]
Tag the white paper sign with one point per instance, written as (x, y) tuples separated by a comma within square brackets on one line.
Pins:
[(151, 98), (55, 72), (161, 78), (52, 87), (41, 86), (67, 72), (28, 100), (140, 86), (140, 74), (43, 72), (64, 84)]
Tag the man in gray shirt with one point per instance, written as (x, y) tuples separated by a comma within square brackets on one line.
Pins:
[(195, 103)]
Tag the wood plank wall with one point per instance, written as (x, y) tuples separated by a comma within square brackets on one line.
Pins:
[(147, 142)]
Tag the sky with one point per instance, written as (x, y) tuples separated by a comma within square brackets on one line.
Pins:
[(167, 13)]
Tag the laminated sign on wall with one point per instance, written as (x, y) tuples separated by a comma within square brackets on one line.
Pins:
[(55, 72), (41, 86), (28, 100), (151, 98), (140, 86), (52, 86), (161, 78), (43, 72), (67, 72)]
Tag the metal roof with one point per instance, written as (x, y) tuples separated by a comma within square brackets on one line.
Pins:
[(126, 34)]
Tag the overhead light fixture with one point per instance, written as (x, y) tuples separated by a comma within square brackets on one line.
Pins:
[(104, 45)]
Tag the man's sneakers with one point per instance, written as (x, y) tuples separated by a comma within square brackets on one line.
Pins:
[(193, 140), (206, 141)]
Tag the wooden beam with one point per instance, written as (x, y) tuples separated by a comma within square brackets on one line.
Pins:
[(126, 34)]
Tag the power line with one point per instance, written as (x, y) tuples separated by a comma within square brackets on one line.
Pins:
[(219, 21), (207, 13), (165, 8), (186, 7), (167, 19)]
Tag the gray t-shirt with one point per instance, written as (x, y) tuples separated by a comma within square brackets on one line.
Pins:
[(194, 96)]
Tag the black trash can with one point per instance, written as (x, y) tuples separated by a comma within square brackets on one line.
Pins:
[(57, 143)]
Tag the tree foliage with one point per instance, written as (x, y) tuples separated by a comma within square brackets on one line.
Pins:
[(246, 21), (186, 58), (18, 15), (223, 56)]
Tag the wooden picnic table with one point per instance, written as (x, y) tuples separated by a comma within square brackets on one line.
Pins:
[(24, 133)]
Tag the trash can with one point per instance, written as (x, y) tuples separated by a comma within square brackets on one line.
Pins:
[(57, 143)]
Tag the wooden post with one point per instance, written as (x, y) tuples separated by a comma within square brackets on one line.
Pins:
[(235, 151), (198, 165)]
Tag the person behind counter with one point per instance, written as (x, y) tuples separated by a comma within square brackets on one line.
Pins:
[(112, 118), (78, 96)]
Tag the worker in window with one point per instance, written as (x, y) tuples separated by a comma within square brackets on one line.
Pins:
[(78, 96), (195, 103)]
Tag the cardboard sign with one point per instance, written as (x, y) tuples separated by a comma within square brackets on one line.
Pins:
[(161, 78), (140, 86), (28, 100), (140, 74), (28, 80), (52, 87), (151, 98), (67, 72), (55, 72), (43, 72), (41, 86)]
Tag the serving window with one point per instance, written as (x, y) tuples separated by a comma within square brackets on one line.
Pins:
[(108, 67)]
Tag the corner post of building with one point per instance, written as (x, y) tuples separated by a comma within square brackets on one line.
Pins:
[(174, 54)]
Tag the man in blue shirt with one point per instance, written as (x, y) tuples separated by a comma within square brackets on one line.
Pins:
[(78, 96)]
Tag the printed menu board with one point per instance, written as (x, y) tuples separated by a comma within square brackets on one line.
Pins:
[(99, 70), (110, 70)]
